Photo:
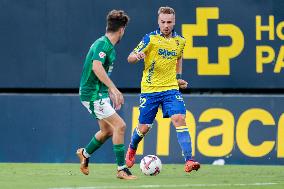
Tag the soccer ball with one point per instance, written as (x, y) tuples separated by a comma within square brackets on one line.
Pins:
[(151, 165)]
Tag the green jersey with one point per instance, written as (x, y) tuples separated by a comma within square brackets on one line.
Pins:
[(91, 88)]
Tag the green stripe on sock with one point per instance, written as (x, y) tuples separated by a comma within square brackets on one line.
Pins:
[(119, 150)]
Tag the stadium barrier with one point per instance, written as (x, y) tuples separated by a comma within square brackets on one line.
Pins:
[(237, 128)]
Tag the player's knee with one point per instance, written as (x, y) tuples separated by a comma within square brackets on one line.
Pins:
[(178, 120), (108, 134), (144, 128), (121, 127)]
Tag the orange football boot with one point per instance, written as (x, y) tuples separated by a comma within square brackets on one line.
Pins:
[(130, 157), (83, 161), (191, 165), (125, 174)]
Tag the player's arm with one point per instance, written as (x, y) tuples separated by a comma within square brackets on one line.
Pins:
[(179, 66), (181, 83), (139, 52), (115, 94), (135, 57)]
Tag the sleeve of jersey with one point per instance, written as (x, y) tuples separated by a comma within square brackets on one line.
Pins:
[(143, 45), (99, 53), (182, 44)]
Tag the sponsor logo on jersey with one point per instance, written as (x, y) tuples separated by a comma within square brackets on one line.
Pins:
[(167, 54), (102, 54)]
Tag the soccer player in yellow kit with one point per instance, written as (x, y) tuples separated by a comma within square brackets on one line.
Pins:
[(162, 53)]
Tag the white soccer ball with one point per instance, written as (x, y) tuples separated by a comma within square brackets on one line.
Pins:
[(151, 165)]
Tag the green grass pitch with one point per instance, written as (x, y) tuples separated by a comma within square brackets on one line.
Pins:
[(67, 176)]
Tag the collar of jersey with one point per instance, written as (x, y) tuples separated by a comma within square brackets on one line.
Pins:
[(108, 40), (158, 31)]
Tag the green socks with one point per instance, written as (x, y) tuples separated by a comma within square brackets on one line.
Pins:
[(93, 145), (119, 150)]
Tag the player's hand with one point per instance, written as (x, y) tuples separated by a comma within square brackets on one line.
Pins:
[(116, 97), (140, 55), (182, 84)]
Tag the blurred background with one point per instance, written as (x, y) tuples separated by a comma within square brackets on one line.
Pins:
[(233, 61)]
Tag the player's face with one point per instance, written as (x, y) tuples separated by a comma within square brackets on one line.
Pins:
[(166, 23)]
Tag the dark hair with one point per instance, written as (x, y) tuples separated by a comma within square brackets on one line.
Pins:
[(116, 19), (166, 10)]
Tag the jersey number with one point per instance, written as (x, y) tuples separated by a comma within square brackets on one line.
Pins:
[(142, 102)]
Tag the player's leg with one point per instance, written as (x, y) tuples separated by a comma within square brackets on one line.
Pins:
[(173, 106), (100, 137), (148, 110), (119, 126), (99, 109), (110, 125), (137, 135), (183, 136), (184, 141)]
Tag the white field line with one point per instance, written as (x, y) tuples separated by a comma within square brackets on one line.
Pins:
[(170, 186)]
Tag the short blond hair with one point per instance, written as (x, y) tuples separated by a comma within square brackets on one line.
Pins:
[(166, 10)]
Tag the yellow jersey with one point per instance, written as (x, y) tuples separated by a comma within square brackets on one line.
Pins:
[(162, 53)]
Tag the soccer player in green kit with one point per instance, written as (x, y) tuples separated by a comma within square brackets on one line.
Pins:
[(96, 91)]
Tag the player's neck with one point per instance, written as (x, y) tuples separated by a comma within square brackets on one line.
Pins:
[(113, 37), (168, 36)]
